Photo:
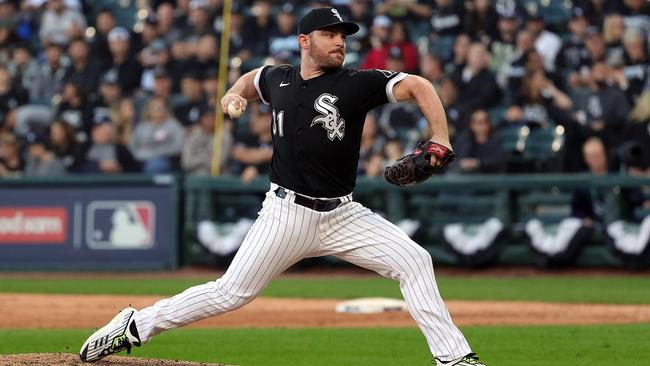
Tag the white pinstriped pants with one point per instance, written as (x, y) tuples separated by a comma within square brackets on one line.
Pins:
[(285, 233)]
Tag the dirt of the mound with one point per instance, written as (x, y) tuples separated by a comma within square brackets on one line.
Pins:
[(51, 359), (92, 311)]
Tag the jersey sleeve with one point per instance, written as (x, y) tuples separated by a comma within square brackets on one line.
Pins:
[(261, 84), (376, 86), (267, 76)]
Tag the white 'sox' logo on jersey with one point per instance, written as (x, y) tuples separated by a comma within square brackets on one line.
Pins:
[(329, 117)]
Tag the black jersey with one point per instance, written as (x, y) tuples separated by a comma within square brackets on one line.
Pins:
[(317, 124)]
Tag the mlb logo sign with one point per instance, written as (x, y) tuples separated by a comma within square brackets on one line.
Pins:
[(120, 224)]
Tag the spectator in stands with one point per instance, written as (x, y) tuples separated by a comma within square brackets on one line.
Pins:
[(60, 24), (638, 130), (379, 32), (613, 31), (477, 87), (360, 13), (237, 46), (602, 109), (637, 14), (49, 78), (188, 111), (547, 43), (592, 205), (258, 27), (282, 43), (199, 20), (478, 149), (157, 141), (514, 68), (76, 110), (104, 23), (448, 93), (110, 91), (129, 70), (162, 88), (210, 87), (596, 10), (586, 205), (502, 46), (22, 67), (636, 69), (11, 162), (155, 58), (7, 39), (11, 96), (573, 53), (432, 69), (107, 155), (149, 33), (168, 27), (198, 146), (84, 69), (252, 150), (396, 60), (65, 145), (596, 52), (41, 161), (459, 55), (399, 37), (393, 150), (205, 59), (124, 121), (7, 10), (539, 102), (446, 19), (481, 20)]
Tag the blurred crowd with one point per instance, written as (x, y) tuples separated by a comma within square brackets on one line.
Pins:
[(524, 83)]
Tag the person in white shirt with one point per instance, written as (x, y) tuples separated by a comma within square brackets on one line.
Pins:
[(547, 43)]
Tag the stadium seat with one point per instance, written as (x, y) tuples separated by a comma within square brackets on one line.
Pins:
[(544, 146)]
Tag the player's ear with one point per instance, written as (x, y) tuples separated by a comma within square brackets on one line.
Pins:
[(303, 41)]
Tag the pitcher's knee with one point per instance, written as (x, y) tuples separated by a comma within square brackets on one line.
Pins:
[(231, 299), (415, 262), (422, 259)]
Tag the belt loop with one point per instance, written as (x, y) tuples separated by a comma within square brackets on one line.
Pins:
[(281, 192)]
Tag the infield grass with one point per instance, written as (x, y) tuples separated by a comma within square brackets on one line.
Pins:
[(501, 346), (571, 289)]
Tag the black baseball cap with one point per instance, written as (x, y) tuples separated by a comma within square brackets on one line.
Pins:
[(322, 18)]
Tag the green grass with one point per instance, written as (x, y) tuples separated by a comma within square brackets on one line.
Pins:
[(502, 346), (588, 289)]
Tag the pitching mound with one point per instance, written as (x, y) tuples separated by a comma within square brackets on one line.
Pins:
[(70, 359)]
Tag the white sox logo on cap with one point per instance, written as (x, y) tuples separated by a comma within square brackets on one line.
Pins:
[(325, 17), (334, 125), (336, 14)]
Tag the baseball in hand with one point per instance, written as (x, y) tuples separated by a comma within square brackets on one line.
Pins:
[(233, 110)]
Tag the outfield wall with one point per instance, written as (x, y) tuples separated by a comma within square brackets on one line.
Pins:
[(139, 222)]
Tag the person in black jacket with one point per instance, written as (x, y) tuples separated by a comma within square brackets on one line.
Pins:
[(602, 109), (478, 149), (477, 87)]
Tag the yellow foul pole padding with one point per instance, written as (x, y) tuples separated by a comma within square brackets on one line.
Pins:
[(221, 90)]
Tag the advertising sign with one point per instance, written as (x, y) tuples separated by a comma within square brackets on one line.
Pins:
[(88, 227)]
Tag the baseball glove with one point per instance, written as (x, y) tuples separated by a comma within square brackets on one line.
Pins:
[(416, 167)]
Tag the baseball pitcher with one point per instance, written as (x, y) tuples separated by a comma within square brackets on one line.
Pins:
[(318, 111)]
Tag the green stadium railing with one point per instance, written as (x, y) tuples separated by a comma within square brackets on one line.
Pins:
[(439, 201)]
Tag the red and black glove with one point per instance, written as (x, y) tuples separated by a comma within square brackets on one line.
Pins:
[(416, 167)]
